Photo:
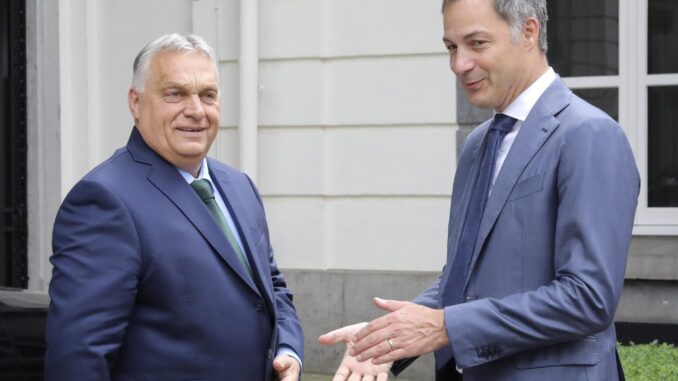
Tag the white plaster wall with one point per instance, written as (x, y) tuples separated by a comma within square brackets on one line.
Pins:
[(356, 141)]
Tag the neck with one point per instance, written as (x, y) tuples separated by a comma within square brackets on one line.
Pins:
[(194, 170), (533, 72)]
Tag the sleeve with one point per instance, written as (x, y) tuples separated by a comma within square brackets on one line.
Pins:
[(96, 266), (598, 186)]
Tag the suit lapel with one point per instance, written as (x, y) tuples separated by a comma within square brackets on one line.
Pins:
[(459, 205), (237, 210), (169, 182), (458, 215), (537, 128)]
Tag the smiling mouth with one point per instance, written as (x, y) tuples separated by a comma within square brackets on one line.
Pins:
[(188, 129), (473, 83)]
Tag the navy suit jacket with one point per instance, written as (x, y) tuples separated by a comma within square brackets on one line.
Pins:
[(145, 285), (548, 268)]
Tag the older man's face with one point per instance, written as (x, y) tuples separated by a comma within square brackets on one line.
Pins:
[(177, 113)]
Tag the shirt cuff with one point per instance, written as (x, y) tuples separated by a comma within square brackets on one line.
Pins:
[(287, 350)]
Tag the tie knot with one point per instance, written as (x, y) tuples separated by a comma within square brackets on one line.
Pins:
[(503, 123), (203, 188)]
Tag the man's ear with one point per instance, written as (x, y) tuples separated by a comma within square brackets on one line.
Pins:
[(531, 31), (133, 102)]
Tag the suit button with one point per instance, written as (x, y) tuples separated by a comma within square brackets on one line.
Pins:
[(259, 305)]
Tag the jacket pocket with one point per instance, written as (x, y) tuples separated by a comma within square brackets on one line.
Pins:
[(579, 352), (527, 187)]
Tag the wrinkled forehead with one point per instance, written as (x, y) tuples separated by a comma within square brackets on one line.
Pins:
[(181, 66)]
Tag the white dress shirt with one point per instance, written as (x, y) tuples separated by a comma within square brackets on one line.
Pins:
[(519, 109)]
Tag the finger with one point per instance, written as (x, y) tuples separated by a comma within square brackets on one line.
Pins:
[(377, 350), (382, 376), (375, 339), (389, 305), (374, 325), (371, 346), (354, 377), (368, 377), (341, 374), (344, 334), (282, 363), (391, 356), (334, 337)]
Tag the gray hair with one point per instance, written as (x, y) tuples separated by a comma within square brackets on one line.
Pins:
[(516, 13), (184, 43)]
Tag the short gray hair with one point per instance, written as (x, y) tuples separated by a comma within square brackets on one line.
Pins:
[(516, 13), (184, 43)]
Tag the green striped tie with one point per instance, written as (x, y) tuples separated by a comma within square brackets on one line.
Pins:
[(204, 190)]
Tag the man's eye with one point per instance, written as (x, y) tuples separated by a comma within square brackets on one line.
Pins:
[(478, 44), (173, 96), (209, 97)]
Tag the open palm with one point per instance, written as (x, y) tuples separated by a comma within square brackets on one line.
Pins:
[(350, 369)]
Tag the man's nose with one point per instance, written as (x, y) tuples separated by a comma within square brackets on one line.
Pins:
[(461, 62), (194, 107)]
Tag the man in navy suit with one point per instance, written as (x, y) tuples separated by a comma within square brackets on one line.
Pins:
[(537, 249), (163, 268)]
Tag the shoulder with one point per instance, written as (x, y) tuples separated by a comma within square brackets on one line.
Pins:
[(225, 173), (216, 165), (116, 167), (582, 120), (115, 178)]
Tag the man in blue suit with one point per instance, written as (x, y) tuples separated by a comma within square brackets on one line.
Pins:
[(163, 268), (542, 211)]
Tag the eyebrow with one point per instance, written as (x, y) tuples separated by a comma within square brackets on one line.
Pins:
[(169, 84), (466, 36), (176, 84)]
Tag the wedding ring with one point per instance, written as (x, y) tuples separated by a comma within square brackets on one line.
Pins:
[(390, 344)]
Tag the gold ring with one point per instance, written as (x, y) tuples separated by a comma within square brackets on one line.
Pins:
[(390, 344)]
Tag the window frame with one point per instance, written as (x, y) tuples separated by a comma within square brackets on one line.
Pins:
[(632, 83)]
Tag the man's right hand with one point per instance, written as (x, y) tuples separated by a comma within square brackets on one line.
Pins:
[(350, 369)]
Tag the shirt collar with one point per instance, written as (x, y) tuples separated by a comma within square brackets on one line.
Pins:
[(521, 106), (204, 173)]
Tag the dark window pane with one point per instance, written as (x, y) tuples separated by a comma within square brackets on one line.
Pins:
[(662, 146), (13, 228), (605, 99), (583, 37), (662, 37)]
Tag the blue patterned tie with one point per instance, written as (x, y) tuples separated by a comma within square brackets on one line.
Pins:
[(454, 290)]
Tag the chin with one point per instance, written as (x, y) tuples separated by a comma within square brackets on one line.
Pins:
[(480, 103)]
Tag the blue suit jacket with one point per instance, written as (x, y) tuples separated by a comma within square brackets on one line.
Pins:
[(547, 272), (146, 286)]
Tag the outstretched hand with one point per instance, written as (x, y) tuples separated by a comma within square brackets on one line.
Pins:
[(408, 330), (350, 368)]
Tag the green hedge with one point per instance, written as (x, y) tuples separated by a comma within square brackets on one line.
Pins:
[(649, 362)]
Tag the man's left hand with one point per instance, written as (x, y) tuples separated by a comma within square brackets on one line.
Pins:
[(287, 368), (409, 330)]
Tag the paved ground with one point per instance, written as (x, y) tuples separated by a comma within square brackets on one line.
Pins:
[(316, 377), (321, 377)]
